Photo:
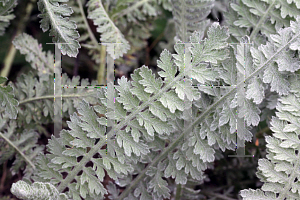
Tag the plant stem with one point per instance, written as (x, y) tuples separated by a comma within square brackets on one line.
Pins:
[(12, 50), (18, 150), (261, 21), (91, 34), (128, 9), (52, 97), (101, 50), (178, 192), (101, 70), (8, 61), (148, 49), (9, 5), (174, 144)]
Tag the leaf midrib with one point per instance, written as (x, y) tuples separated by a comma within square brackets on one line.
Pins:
[(53, 20), (173, 145)]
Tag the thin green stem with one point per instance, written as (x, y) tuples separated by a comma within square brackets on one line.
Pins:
[(101, 70), (101, 50), (9, 5), (178, 192), (261, 21), (8, 61), (12, 50), (18, 150), (91, 34), (52, 97), (128, 10)]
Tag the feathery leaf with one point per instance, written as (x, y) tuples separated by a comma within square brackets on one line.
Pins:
[(62, 29)]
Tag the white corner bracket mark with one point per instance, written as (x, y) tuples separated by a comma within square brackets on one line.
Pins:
[(240, 122), (187, 112), (57, 92), (58, 88), (110, 78)]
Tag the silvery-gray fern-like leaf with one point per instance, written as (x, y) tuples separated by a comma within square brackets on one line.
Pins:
[(190, 16), (167, 5), (35, 96), (285, 63), (280, 171), (62, 29), (186, 161), (23, 145), (7, 99), (135, 10), (134, 18), (6, 7), (63, 159), (262, 16), (109, 32), (38, 191), (86, 37), (149, 126), (34, 53)]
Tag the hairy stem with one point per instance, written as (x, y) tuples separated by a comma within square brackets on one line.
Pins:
[(18, 150), (184, 22), (261, 21), (91, 35), (95, 46), (52, 97)]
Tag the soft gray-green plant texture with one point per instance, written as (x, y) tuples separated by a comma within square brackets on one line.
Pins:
[(148, 139), (62, 30), (109, 32), (6, 7), (280, 172)]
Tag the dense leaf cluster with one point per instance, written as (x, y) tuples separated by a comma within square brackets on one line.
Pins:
[(152, 129)]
